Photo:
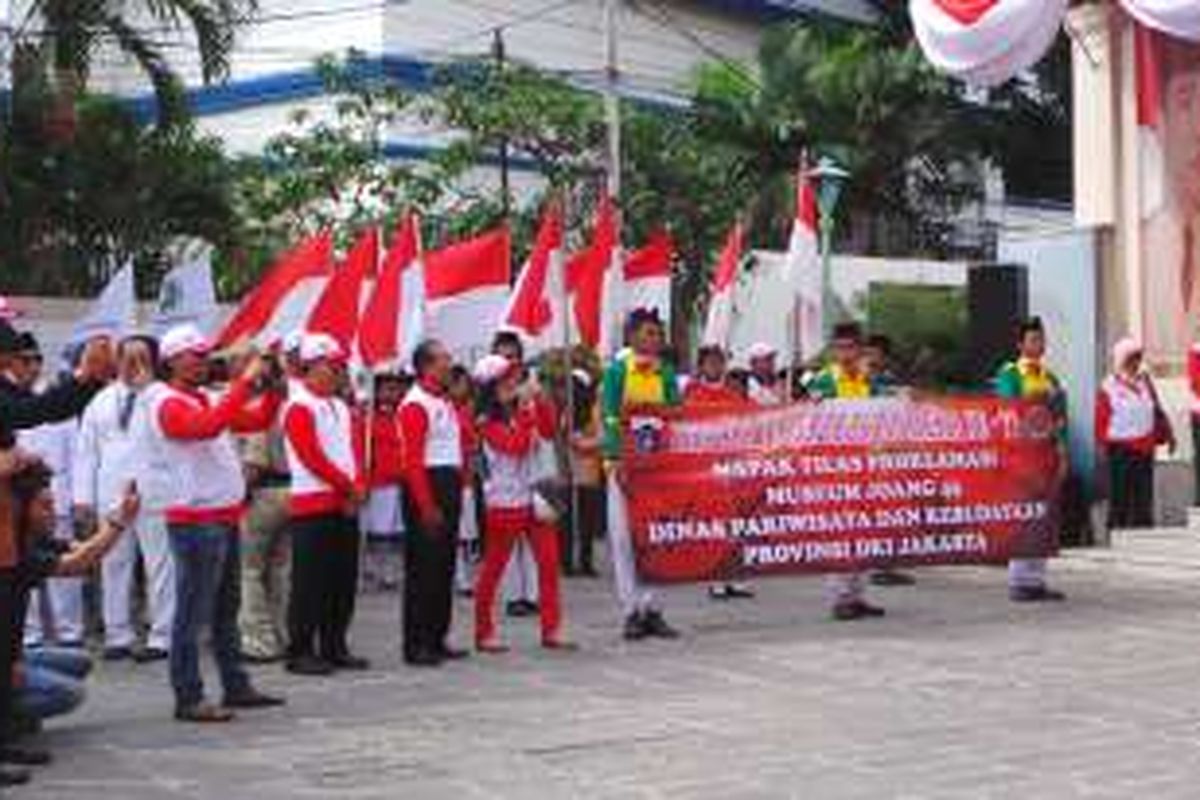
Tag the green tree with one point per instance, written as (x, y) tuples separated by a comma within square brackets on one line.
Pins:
[(65, 36), (71, 210)]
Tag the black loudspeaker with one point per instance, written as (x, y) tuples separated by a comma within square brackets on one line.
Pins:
[(997, 302)]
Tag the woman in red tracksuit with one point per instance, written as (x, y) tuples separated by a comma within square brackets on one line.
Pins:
[(509, 432)]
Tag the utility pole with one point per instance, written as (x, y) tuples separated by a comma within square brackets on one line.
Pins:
[(498, 54), (612, 108)]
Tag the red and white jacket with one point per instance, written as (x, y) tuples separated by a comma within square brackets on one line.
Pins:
[(387, 449), (510, 448), (194, 428), (1127, 414), (432, 435), (323, 452)]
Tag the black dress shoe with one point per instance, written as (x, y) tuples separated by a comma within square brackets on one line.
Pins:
[(308, 665), (891, 577), (349, 662), (117, 654), (423, 659), (150, 654), (447, 653), (657, 627), (24, 756), (252, 698), (516, 608), (13, 777), (1035, 594), (856, 609), (635, 627)]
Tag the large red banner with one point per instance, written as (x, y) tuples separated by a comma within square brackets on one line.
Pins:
[(840, 486)]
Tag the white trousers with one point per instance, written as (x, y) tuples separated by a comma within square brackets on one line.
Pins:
[(147, 535), (632, 596), (468, 538), (61, 599), (521, 575), (1027, 573)]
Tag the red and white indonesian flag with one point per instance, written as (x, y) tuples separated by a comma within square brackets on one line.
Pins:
[(466, 289), (338, 309), (719, 325), (802, 273), (537, 307), (648, 276), (1148, 70), (986, 42), (393, 320), (1180, 18), (284, 299), (596, 281)]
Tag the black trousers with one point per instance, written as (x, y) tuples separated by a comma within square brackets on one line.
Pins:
[(429, 566), (324, 582), (1131, 488), (586, 526), (1196, 457), (11, 628)]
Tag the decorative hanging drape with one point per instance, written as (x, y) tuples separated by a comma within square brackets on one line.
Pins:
[(986, 42), (1179, 18)]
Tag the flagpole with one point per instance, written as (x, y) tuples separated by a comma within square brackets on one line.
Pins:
[(368, 436), (565, 300), (612, 106)]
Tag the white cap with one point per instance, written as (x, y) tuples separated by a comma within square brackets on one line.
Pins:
[(583, 376), (761, 350), (491, 368), (181, 339), (291, 342), (1124, 349), (318, 346)]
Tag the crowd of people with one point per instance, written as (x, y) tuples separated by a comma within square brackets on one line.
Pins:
[(235, 495)]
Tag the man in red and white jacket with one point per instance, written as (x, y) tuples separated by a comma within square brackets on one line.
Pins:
[(324, 456), (203, 512), (433, 475)]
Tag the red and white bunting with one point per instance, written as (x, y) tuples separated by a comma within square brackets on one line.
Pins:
[(719, 325), (393, 319), (466, 286), (537, 307), (282, 301), (986, 42)]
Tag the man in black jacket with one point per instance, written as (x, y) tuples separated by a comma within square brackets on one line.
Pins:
[(20, 409)]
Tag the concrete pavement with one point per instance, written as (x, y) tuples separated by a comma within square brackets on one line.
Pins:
[(956, 694)]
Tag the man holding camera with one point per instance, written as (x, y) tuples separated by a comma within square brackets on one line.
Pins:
[(204, 511), (22, 409)]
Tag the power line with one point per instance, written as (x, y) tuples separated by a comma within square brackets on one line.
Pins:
[(663, 16)]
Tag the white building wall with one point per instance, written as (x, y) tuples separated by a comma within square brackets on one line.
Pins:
[(658, 54)]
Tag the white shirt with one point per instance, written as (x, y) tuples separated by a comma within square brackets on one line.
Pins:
[(116, 445)]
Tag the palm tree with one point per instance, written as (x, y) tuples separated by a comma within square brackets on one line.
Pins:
[(65, 36)]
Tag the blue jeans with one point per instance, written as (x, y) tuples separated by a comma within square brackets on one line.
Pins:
[(53, 682), (207, 593)]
